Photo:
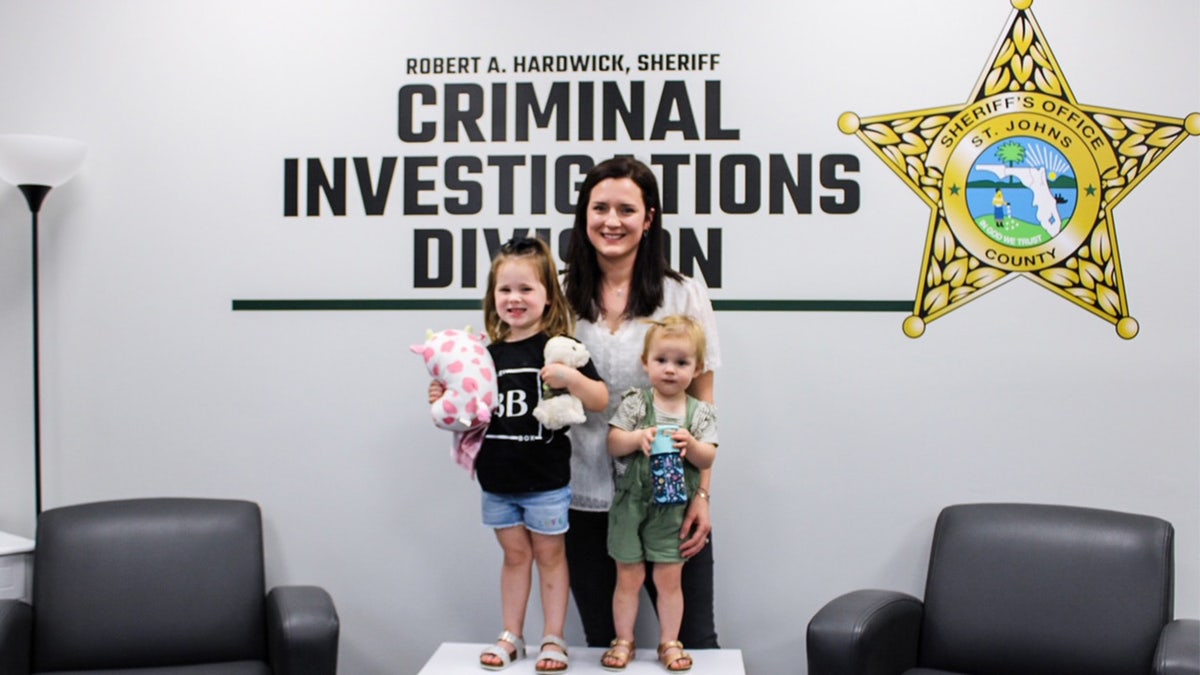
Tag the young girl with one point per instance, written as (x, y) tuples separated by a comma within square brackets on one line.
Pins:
[(641, 527), (524, 468)]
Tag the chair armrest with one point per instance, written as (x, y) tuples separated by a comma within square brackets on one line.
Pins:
[(16, 637), (1178, 650), (867, 632), (302, 631)]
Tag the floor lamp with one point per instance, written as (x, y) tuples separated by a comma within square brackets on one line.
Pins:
[(37, 164)]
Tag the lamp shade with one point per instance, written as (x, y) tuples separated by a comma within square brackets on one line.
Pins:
[(39, 160)]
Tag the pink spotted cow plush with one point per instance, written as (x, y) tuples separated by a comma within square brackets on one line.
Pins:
[(458, 359)]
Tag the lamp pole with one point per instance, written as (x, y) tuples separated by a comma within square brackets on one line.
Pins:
[(35, 195), (37, 164)]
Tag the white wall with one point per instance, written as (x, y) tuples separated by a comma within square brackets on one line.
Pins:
[(840, 444)]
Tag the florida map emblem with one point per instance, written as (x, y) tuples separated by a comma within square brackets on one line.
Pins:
[(1021, 181)]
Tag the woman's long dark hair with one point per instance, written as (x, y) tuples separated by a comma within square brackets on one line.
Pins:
[(582, 280)]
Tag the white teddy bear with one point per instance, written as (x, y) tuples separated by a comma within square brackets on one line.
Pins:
[(558, 408)]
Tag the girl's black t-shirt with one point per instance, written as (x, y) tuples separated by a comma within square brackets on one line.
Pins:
[(519, 455)]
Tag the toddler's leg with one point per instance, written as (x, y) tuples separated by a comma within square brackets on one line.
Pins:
[(670, 600), (630, 577), (625, 599), (667, 578)]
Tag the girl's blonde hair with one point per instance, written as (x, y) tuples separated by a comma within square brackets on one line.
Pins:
[(678, 326), (557, 318)]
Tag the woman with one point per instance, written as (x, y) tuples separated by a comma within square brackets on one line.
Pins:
[(617, 275)]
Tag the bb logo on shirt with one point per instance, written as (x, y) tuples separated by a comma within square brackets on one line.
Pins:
[(513, 404)]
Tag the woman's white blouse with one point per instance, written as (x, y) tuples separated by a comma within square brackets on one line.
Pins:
[(618, 358)]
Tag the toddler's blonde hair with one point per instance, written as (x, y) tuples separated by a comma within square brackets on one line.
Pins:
[(677, 325)]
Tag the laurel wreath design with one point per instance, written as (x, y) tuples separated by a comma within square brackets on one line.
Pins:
[(1022, 64), (1091, 274), (953, 274), (905, 143), (1139, 143)]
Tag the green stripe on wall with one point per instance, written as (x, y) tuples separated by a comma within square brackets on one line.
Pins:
[(813, 305), (418, 305)]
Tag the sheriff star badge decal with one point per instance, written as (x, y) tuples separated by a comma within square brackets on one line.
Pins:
[(1021, 180)]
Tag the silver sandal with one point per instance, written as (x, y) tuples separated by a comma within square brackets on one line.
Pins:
[(553, 655), (506, 657)]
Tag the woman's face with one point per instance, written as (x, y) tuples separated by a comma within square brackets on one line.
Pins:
[(617, 218)]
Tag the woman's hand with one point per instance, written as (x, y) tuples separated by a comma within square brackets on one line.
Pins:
[(696, 528), (696, 524)]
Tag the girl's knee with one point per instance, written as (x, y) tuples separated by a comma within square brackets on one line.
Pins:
[(520, 559), (549, 550), (517, 546)]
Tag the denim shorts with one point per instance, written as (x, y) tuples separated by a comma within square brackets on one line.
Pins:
[(541, 512)]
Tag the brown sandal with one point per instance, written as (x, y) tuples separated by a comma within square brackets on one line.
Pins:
[(618, 650), (668, 661)]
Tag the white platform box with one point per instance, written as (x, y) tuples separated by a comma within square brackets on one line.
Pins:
[(16, 567), (460, 658)]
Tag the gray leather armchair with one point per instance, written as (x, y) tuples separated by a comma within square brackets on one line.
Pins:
[(1020, 589), (162, 587)]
